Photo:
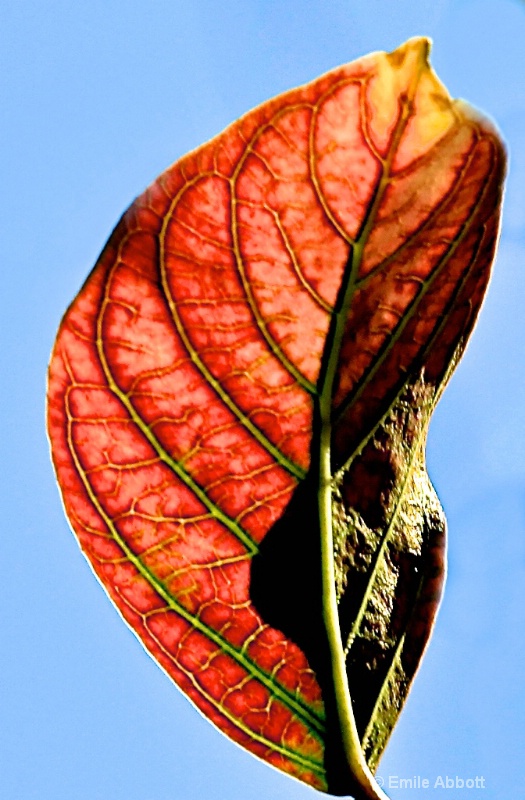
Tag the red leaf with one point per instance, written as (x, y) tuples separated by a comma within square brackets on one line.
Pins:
[(283, 302)]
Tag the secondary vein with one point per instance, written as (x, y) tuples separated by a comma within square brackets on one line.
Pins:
[(287, 698)]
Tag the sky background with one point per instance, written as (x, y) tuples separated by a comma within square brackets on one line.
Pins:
[(97, 98)]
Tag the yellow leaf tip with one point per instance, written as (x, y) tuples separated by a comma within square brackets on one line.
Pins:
[(416, 50)]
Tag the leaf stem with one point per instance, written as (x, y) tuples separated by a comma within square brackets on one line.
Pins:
[(351, 743)]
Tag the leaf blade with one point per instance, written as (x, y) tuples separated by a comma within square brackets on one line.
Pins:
[(223, 352)]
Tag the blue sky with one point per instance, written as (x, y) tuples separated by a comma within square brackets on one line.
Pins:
[(97, 99)]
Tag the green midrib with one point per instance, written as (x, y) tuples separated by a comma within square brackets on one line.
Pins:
[(348, 729)]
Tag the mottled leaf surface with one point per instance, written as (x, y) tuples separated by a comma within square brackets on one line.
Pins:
[(239, 397)]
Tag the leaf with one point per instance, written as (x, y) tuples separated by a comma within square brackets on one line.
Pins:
[(239, 398)]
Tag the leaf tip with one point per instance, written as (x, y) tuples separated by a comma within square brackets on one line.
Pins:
[(416, 50)]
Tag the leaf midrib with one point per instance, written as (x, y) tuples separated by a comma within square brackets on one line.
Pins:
[(348, 729)]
